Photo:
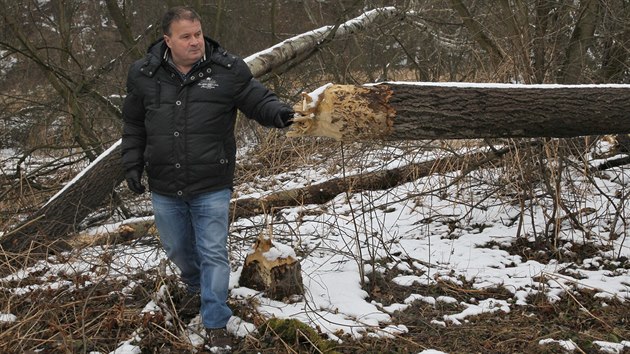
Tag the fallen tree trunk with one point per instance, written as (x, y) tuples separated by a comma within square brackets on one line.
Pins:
[(408, 111), (47, 227), (59, 217), (321, 193)]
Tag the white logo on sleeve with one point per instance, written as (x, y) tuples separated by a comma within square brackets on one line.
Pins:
[(208, 83)]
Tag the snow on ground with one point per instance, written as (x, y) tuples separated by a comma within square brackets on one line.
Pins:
[(428, 232), (335, 300)]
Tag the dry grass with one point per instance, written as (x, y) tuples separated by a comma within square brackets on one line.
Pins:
[(96, 317), (580, 317)]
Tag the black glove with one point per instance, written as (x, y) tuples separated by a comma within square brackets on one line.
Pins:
[(133, 177), (284, 118)]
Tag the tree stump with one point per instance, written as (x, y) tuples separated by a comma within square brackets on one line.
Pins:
[(273, 268)]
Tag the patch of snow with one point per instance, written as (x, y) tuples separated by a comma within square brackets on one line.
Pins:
[(6, 63), (151, 307), (7, 318), (127, 348), (612, 348), (314, 96), (565, 344), (485, 306), (196, 332), (279, 251), (240, 328)]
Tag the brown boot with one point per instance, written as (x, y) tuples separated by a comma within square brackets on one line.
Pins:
[(188, 305), (218, 337)]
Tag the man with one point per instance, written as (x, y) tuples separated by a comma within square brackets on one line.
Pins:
[(179, 116)]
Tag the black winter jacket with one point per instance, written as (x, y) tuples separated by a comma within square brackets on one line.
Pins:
[(182, 132)]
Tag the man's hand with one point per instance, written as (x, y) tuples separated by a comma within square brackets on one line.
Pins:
[(133, 177), (284, 118)]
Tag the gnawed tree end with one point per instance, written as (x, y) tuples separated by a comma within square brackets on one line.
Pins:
[(345, 112), (272, 268), (413, 111)]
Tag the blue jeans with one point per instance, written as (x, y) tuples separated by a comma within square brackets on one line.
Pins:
[(193, 232)]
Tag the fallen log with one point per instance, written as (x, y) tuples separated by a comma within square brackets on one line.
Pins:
[(323, 192), (411, 111), (49, 226)]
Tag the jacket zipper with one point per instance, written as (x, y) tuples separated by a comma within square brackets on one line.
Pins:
[(158, 90)]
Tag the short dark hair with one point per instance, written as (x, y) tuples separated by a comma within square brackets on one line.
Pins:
[(178, 13)]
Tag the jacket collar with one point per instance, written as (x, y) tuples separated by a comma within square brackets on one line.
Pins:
[(158, 53)]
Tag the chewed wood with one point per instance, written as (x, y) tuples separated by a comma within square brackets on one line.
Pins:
[(280, 277), (346, 112)]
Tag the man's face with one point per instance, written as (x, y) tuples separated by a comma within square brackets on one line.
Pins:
[(186, 42)]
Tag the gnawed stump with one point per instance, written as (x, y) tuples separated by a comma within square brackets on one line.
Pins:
[(272, 267)]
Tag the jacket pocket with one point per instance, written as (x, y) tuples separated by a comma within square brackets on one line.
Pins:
[(210, 170)]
